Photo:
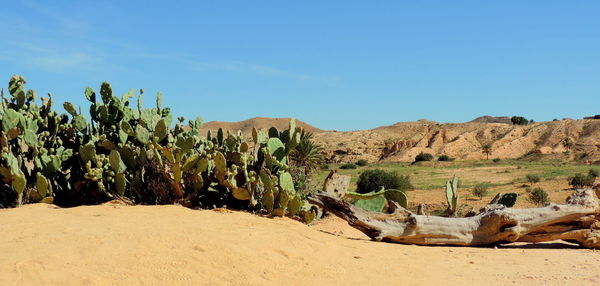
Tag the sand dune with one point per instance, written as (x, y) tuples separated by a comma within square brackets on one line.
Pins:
[(172, 245)]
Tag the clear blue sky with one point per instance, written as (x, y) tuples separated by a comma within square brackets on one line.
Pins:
[(335, 64)]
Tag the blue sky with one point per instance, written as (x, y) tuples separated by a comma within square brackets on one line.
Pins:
[(340, 65)]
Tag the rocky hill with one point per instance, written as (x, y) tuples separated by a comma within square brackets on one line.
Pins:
[(402, 141), (256, 122), (492, 119)]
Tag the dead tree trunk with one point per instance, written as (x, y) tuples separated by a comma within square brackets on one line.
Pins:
[(576, 221)]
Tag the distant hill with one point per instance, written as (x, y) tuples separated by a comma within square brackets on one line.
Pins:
[(256, 122), (402, 141), (492, 119)]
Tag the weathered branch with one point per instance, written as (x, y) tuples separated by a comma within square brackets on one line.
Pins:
[(576, 221)]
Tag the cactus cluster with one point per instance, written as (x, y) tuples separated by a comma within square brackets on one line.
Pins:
[(378, 200), (134, 153)]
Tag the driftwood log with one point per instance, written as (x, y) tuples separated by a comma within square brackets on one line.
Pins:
[(576, 221)]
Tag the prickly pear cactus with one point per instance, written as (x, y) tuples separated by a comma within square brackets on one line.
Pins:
[(452, 195), (507, 199), (136, 153)]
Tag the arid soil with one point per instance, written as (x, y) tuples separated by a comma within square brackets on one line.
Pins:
[(172, 245), (402, 141)]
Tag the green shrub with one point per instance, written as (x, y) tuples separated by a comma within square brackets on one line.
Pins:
[(348, 166), (532, 178), (519, 120), (445, 158), (480, 190), (594, 173), (538, 196), (374, 179), (324, 166), (362, 162), (496, 160), (423, 157), (580, 181)]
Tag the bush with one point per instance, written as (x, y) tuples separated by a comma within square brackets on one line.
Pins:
[(348, 166), (594, 173), (519, 120), (533, 179), (480, 190), (580, 180), (445, 158), (324, 166), (362, 162), (496, 160), (538, 196), (423, 157), (371, 180)]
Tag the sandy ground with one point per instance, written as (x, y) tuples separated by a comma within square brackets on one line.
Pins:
[(170, 245)]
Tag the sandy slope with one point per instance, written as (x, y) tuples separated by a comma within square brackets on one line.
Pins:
[(171, 245)]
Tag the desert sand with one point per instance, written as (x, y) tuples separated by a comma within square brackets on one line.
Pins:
[(113, 244)]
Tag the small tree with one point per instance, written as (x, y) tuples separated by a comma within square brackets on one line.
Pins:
[(519, 120), (487, 150), (533, 179), (567, 142), (538, 196)]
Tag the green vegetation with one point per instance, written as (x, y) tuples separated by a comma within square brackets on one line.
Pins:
[(581, 181), (445, 158), (519, 120), (504, 173), (374, 179), (538, 196), (508, 199), (305, 159), (480, 190), (594, 173), (532, 178), (378, 200), (452, 195), (423, 157), (132, 153), (362, 162), (348, 166), (487, 150)]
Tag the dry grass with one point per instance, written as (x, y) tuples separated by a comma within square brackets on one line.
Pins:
[(506, 176)]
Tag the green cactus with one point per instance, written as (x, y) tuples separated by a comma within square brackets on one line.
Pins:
[(122, 151), (452, 195), (375, 204), (389, 195), (508, 199)]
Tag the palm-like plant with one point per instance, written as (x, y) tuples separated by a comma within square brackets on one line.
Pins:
[(568, 143), (487, 150), (308, 154)]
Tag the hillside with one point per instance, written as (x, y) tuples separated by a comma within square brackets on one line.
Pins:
[(402, 141), (256, 122)]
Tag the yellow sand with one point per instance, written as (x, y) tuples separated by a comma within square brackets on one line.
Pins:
[(171, 245)]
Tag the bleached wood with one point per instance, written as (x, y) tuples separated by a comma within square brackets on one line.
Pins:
[(576, 221)]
